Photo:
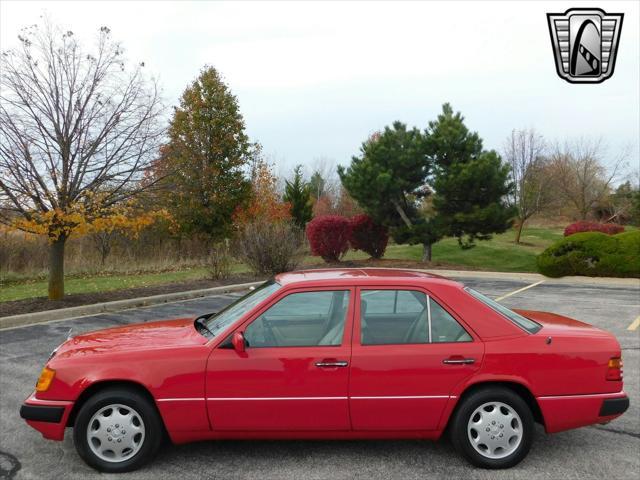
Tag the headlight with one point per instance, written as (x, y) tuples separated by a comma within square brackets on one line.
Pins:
[(46, 377)]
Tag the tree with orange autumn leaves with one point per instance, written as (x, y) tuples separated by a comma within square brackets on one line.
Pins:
[(78, 129), (203, 165), (265, 203), (266, 237)]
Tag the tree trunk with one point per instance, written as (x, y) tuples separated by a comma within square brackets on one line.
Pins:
[(403, 215), (56, 268), (519, 231), (426, 252)]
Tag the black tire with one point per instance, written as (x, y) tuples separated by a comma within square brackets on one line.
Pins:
[(154, 429), (460, 434)]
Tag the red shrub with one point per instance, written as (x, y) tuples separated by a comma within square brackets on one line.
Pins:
[(368, 236), (582, 226), (328, 237)]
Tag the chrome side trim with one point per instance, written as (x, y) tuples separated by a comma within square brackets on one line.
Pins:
[(587, 395), (381, 397), (180, 399), (38, 401), (400, 397), (274, 398)]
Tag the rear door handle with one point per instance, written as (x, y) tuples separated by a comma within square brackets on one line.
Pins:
[(332, 364), (459, 361)]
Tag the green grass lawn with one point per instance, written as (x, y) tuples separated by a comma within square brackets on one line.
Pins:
[(498, 254), (18, 291)]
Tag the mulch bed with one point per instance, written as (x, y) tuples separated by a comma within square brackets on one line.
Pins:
[(38, 304)]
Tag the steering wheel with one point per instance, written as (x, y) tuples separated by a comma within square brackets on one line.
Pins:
[(269, 336)]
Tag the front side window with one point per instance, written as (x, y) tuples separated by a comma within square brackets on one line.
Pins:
[(300, 320), (405, 317)]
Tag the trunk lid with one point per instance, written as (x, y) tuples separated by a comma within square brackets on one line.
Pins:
[(554, 324)]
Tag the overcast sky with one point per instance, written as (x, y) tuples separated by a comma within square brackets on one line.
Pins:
[(314, 79)]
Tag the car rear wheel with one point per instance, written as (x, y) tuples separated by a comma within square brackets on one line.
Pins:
[(117, 430), (493, 428)]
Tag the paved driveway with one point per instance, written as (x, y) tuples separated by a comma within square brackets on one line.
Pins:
[(609, 451)]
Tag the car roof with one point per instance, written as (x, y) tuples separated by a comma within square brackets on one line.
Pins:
[(362, 276)]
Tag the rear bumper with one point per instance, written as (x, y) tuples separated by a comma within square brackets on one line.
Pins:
[(614, 406), (49, 417), (572, 411)]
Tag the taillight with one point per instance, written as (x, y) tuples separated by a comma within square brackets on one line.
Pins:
[(614, 369)]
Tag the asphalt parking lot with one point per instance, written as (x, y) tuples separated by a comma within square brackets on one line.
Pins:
[(602, 451)]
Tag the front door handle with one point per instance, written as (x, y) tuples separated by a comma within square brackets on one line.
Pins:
[(459, 361), (332, 364)]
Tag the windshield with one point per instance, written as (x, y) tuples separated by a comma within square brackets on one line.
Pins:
[(221, 320), (523, 322)]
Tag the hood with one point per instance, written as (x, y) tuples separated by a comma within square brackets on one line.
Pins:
[(140, 336), (555, 324)]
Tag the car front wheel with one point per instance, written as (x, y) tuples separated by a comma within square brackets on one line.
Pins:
[(493, 428), (117, 430)]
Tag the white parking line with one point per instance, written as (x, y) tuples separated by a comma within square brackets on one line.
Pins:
[(519, 290), (634, 325)]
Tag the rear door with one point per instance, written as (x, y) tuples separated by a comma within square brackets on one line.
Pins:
[(294, 374), (409, 352)]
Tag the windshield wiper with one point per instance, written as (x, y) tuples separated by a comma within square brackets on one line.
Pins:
[(201, 325)]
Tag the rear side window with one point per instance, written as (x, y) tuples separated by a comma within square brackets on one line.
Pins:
[(445, 328), (405, 317), (523, 322)]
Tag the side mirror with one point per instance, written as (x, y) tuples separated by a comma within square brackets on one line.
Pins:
[(238, 342)]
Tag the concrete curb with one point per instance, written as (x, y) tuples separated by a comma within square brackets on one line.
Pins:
[(117, 305)]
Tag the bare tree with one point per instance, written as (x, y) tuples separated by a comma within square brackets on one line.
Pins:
[(579, 174), (78, 130), (524, 152), (103, 243), (619, 205), (324, 177)]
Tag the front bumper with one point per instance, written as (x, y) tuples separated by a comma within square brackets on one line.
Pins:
[(49, 417), (42, 413)]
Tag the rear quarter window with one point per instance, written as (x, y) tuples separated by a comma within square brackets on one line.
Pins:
[(523, 322)]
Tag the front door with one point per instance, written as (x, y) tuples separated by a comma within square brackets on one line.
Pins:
[(409, 352), (294, 374)]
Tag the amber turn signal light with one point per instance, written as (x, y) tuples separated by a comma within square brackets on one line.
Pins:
[(46, 377), (614, 369)]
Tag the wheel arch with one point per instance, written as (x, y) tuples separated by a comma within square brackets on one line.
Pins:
[(518, 388), (101, 385)]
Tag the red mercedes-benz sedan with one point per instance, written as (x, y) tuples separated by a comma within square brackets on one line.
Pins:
[(346, 353)]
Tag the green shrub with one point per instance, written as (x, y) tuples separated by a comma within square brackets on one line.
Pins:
[(593, 254)]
